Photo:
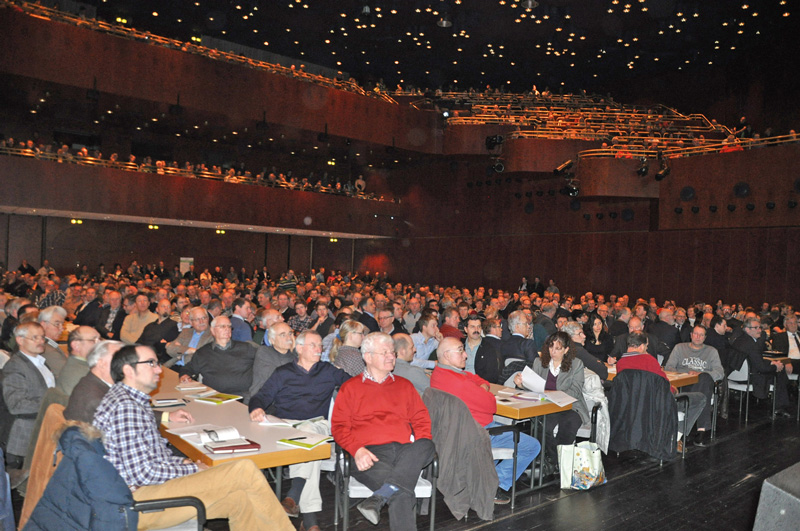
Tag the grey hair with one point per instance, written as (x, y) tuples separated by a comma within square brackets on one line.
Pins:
[(51, 311), (101, 350), (572, 328)]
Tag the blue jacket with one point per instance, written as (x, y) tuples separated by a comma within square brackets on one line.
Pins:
[(86, 492)]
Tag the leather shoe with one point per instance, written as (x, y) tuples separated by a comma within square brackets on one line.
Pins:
[(679, 448), (783, 413), (371, 509), (290, 507), (312, 528), (501, 497), (703, 438)]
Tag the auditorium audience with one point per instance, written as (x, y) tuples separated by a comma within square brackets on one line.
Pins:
[(227, 365)]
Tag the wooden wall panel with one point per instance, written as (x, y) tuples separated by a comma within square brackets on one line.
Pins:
[(277, 254), (24, 240)]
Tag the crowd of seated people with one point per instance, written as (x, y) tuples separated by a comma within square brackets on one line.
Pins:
[(264, 339), (236, 173)]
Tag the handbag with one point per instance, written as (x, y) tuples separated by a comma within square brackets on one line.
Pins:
[(581, 465)]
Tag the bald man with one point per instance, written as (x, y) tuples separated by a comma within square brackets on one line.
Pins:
[(80, 342), (450, 376)]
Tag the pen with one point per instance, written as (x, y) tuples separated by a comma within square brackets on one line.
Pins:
[(296, 439)]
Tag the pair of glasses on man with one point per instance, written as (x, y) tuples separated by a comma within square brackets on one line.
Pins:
[(152, 363)]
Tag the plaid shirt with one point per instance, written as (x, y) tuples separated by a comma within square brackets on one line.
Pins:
[(54, 298), (298, 324), (132, 441)]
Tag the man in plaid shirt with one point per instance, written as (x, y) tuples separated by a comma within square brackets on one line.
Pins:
[(236, 490), (301, 320)]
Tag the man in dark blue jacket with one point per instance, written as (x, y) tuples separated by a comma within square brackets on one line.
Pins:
[(302, 390)]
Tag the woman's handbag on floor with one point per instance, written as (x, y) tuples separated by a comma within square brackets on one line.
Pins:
[(581, 465)]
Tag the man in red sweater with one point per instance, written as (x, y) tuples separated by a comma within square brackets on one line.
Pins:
[(450, 376), (380, 419)]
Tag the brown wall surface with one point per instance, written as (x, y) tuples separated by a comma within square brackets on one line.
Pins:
[(35, 184)]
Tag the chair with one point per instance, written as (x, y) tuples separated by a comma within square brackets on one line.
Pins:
[(46, 459), (104, 499), (794, 377), (348, 487), (740, 381)]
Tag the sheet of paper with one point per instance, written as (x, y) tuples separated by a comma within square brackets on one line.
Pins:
[(532, 381), (559, 398)]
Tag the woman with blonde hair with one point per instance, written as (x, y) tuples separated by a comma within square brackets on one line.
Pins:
[(345, 353)]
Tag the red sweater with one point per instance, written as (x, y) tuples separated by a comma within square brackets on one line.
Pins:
[(643, 362), (366, 413), (466, 386)]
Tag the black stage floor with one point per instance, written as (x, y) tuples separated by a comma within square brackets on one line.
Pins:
[(714, 487)]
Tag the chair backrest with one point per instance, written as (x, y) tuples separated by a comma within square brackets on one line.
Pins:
[(44, 463), (54, 395), (643, 414), (742, 374)]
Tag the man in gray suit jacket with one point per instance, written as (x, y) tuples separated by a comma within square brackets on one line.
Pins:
[(281, 340), (26, 379), (190, 339)]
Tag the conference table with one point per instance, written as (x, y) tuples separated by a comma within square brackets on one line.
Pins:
[(518, 409), (270, 455), (677, 379)]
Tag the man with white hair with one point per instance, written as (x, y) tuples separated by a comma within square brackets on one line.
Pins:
[(301, 390), (52, 320), (269, 358), (91, 389), (374, 418)]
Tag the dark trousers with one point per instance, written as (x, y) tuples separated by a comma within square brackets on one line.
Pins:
[(568, 422), (704, 385), (400, 465)]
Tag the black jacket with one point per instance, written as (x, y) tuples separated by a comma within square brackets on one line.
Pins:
[(643, 414)]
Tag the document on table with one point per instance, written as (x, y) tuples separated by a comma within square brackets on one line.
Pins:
[(535, 383), (532, 381)]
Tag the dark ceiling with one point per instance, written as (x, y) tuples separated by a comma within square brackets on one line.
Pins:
[(561, 44)]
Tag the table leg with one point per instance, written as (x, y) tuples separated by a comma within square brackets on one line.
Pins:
[(278, 481)]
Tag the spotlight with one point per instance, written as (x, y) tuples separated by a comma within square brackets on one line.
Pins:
[(750, 206), (599, 215), (571, 189), (771, 205), (587, 217), (539, 193), (731, 208), (712, 208), (518, 195), (642, 171), (445, 113), (792, 203), (493, 141), (678, 210), (563, 167), (365, 10), (612, 215), (695, 209), (498, 167), (688, 193), (663, 172)]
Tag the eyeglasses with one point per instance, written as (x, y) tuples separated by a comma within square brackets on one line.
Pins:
[(224, 326), (200, 319), (391, 353), (152, 363), (90, 340), (32, 338), (460, 350)]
